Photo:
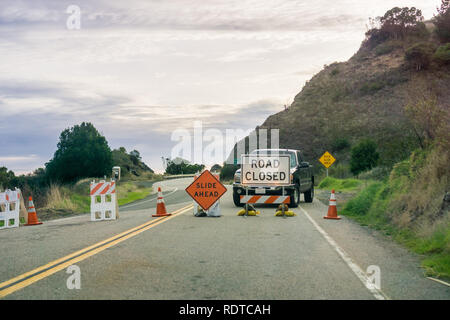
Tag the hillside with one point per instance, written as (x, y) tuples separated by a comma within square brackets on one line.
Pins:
[(363, 97), (131, 164), (395, 91)]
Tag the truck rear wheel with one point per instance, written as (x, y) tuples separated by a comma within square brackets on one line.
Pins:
[(309, 195), (295, 198), (237, 200)]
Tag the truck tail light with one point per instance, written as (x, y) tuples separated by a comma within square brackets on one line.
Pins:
[(292, 178)]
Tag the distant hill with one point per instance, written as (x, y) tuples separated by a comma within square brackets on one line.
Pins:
[(130, 163), (364, 97)]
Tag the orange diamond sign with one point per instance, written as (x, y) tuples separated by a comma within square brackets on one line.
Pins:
[(206, 190)]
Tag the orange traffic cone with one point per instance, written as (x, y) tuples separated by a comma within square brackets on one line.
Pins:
[(332, 211), (32, 216), (160, 206)]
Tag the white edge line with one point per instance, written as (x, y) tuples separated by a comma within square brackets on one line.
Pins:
[(148, 200), (67, 218), (439, 281), (377, 293)]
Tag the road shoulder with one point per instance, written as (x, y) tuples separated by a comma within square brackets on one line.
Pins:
[(401, 275)]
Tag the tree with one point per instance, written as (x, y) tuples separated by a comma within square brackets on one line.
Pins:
[(216, 167), (364, 156), (181, 166), (419, 55), (228, 171), (445, 7), (442, 21), (82, 152), (395, 24), (5, 178), (135, 157), (398, 21), (129, 163)]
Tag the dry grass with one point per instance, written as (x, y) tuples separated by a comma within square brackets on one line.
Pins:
[(420, 204), (58, 199), (409, 207), (144, 176)]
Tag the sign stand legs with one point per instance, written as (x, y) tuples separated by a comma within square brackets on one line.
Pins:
[(246, 204)]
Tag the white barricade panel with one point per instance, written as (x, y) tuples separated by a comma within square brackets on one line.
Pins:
[(9, 209), (103, 201)]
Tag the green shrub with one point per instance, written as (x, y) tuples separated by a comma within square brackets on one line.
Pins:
[(335, 71), (384, 49), (374, 37), (181, 166), (350, 183), (361, 204), (442, 54), (364, 156), (216, 168), (378, 173), (409, 206), (340, 171), (227, 172), (340, 144), (400, 169), (438, 266), (371, 87), (329, 183), (419, 55)]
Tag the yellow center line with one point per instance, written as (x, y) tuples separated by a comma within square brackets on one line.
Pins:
[(81, 255)]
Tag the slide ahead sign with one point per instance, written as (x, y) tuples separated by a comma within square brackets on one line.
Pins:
[(265, 170), (206, 190)]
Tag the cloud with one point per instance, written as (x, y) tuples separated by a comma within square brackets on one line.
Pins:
[(139, 69), (231, 15), (20, 164), (35, 114)]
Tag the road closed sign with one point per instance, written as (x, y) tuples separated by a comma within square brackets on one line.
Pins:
[(265, 170), (206, 190)]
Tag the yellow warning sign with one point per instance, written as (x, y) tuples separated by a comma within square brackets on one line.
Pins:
[(327, 159)]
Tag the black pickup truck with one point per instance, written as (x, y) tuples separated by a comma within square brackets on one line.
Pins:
[(302, 179)]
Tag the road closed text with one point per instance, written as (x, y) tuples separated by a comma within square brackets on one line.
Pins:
[(265, 170), (265, 176)]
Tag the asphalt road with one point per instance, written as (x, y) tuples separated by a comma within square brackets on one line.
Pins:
[(173, 193), (230, 257)]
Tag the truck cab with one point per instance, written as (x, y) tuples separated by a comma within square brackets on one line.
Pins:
[(301, 177)]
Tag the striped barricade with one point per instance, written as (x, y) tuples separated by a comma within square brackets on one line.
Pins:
[(265, 199), (104, 205), (9, 209)]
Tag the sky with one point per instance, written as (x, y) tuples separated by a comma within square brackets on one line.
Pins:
[(140, 69)]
